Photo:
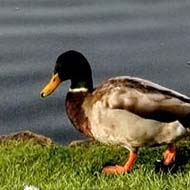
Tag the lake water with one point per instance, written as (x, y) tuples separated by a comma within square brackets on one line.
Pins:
[(148, 39)]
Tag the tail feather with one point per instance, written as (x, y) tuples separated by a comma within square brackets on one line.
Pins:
[(185, 121)]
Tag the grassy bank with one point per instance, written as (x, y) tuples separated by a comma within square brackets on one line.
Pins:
[(56, 167)]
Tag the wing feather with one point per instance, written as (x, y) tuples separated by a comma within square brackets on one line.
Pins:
[(144, 98)]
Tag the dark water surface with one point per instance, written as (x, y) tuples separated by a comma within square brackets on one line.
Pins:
[(149, 39)]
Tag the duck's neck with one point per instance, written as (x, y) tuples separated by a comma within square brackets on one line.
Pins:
[(74, 101), (81, 81)]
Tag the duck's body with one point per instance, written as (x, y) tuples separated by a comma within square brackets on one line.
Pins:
[(128, 111), (116, 112)]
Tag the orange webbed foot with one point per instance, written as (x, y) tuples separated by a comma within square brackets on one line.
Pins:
[(113, 170), (121, 169), (169, 155)]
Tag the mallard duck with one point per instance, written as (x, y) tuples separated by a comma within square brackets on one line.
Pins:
[(126, 111)]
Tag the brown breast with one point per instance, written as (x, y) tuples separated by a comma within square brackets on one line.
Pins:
[(75, 112)]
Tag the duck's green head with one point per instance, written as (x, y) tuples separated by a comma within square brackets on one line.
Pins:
[(73, 66)]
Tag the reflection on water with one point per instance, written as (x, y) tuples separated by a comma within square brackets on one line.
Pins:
[(142, 38)]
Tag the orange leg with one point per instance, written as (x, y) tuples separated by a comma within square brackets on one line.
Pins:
[(121, 169), (169, 154)]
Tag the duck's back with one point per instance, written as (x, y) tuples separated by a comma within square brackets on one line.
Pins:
[(143, 98)]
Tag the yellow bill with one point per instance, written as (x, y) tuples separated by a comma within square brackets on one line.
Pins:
[(51, 86)]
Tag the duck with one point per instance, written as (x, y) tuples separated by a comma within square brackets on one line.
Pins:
[(128, 111)]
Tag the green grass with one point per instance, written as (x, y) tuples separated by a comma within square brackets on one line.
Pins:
[(79, 167)]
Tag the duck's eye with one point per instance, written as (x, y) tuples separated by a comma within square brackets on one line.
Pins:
[(54, 80)]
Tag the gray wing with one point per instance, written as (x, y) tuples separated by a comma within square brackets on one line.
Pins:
[(144, 98)]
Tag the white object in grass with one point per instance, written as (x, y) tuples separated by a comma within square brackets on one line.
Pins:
[(29, 187)]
